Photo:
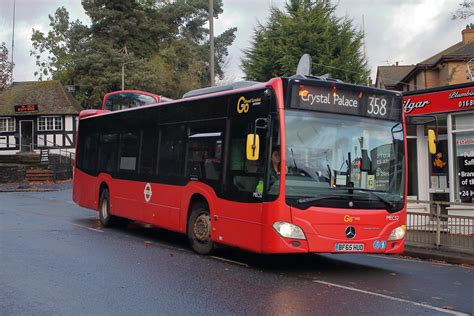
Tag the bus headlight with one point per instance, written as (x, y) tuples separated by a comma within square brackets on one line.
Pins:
[(398, 233), (288, 230)]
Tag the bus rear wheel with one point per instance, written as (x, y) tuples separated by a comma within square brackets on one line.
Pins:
[(199, 229), (106, 219)]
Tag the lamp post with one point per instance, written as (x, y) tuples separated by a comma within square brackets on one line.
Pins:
[(123, 73), (211, 35)]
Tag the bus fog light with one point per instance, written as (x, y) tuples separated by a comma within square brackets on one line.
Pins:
[(288, 230), (398, 233)]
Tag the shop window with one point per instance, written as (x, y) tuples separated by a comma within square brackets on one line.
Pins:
[(463, 143), (7, 124)]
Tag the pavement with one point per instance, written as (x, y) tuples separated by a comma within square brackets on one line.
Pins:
[(425, 252), (26, 186)]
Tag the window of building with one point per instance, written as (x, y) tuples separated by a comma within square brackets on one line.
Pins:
[(50, 123), (7, 124)]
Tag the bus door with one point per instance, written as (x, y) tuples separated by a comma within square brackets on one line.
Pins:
[(162, 198), (127, 194), (240, 211)]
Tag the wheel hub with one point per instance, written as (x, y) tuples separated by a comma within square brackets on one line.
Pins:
[(202, 227)]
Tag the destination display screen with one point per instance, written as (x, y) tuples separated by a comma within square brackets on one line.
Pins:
[(336, 98)]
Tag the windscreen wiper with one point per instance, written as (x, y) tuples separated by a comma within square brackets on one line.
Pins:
[(317, 198), (388, 204)]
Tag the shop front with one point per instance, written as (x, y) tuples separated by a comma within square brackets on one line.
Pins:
[(447, 175)]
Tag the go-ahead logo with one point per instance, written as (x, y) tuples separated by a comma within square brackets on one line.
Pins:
[(349, 219), (243, 104)]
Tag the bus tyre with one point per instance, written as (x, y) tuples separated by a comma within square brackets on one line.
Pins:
[(106, 219), (199, 229)]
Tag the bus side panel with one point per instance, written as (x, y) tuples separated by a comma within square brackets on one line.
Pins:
[(163, 207), (239, 224), (85, 190), (233, 223), (125, 198)]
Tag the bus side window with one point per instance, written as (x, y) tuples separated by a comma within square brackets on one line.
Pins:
[(129, 146), (89, 148), (108, 153), (245, 175), (172, 148), (205, 151), (148, 151)]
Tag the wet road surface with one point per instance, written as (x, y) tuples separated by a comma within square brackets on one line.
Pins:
[(55, 258)]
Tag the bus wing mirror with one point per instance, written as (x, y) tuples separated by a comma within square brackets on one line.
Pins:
[(432, 141), (253, 146)]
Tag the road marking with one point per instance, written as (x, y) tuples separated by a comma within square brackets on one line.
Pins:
[(230, 261), (95, 229), (86, 227), (439, 309)]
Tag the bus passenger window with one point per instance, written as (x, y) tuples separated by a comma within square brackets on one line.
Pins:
[(108, 153), (129, 144), (89, 148), (148, 151), (205, 151), (171, 158)]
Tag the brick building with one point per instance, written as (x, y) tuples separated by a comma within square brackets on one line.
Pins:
[(442, 88), (447, 67)]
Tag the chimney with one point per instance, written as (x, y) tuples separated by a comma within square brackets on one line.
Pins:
[(467, 35)]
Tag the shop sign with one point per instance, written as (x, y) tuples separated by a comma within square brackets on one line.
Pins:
[(22, 108), (465, 157), (441, 101)]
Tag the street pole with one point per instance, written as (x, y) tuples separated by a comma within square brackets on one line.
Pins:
[(123, 76), (123, 73), (211, 35), (13, 37)]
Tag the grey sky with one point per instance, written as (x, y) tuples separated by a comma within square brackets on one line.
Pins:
[(407, 31)]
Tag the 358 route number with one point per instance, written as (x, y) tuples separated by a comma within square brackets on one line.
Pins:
[(377, 106)]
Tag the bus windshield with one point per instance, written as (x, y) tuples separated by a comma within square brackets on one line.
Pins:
[(343, 157)]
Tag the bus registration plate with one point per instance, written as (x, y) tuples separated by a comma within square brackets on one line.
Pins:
[(350, 247)]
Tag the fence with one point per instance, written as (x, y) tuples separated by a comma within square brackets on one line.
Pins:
[(60, 160), (442, 230)]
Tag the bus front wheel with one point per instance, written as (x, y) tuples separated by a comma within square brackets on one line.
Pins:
[(106, 219), (199, 229)]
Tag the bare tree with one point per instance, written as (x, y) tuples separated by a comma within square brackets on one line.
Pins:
[(465, 10)]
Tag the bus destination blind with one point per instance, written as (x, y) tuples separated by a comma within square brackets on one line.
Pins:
[(343, 101)]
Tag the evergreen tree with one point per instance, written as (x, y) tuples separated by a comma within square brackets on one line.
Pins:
[(306, 26), (165, 43)]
